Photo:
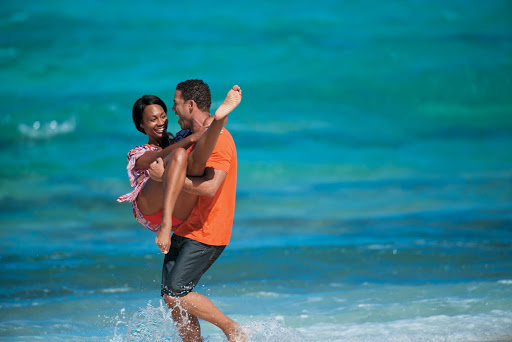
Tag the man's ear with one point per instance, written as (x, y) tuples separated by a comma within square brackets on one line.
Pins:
[(191, 105)]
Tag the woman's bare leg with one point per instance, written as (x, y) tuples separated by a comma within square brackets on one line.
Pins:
[(166, 195), (204, 147), (150, 199), (173, 180), (155, 196), (184, 205)]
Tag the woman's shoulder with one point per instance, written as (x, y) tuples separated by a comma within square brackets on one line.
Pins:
[(141, 147), (138, 149)]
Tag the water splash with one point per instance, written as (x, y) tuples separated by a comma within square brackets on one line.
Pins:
[(40, 130), (149, 324), (155, 323)]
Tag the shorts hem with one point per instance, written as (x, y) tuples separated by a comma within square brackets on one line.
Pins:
[(162, 293)]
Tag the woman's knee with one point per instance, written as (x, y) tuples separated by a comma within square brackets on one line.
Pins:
[(178, 156)]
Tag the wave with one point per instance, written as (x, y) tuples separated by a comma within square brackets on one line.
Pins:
[(47, 130), (154, 323)]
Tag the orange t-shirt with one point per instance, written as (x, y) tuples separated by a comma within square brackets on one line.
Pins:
[(211, 220)]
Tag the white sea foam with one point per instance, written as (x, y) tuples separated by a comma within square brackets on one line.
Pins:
[(116, 290), (264, 294), (314, 299), (378, 246), (496, 325), (38, 130)]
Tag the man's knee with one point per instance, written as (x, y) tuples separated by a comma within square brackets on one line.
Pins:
[(170, 300)]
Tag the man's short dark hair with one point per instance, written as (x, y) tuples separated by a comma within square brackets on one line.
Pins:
[(198, 91)]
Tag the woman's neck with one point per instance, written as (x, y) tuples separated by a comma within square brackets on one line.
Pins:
[(163, 143)]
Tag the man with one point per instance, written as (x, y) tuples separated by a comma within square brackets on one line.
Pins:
[(200, 239)]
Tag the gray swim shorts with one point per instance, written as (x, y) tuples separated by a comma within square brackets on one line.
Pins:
[(185, 263)]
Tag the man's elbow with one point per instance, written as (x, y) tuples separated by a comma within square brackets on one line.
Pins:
[(211, 191)]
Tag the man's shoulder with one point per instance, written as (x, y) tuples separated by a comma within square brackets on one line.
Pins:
[(226, 142), (226, 137)]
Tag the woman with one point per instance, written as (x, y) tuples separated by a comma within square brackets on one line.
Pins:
[(159, 205)]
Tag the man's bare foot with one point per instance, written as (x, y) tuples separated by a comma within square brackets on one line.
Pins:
[(230, 102)]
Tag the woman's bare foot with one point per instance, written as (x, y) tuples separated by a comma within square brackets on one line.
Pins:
[(230, 102), (163, 238)]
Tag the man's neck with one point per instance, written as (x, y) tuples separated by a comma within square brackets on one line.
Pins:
[(199, 118)]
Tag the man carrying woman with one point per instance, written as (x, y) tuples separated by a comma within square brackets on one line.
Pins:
[(187, 185)]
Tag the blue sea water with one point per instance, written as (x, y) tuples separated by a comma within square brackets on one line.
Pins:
[(374, 146)]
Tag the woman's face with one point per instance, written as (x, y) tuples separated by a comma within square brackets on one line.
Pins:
[(154, 123)]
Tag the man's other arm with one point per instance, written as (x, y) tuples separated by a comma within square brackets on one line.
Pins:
[(206, 185)]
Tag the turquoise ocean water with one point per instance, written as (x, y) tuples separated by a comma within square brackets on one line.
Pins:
[(375, 167)]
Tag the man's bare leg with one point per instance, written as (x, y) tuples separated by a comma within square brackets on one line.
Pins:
[(204, 147), (201, 307), (187, 325)]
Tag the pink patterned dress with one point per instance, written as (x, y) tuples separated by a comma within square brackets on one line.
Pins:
[(139, 177)]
